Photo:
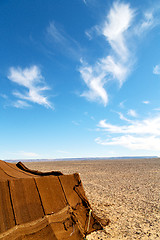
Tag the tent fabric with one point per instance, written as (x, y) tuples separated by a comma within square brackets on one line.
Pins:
[(38, 206)]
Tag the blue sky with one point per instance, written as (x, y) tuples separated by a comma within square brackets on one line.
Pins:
[(79, 78)]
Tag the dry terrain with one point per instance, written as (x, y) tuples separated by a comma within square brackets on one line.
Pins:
[(125, 191)]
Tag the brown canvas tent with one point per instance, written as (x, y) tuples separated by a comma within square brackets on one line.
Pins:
[(50, 205)]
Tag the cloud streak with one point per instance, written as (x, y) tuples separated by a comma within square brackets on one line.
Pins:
[(21, 104), (57, 36), (132, 113), (135, 135), (146, 23), (33, 86), (117, 23), (119, 29), (132, 142), (95, 84), (113, 66)]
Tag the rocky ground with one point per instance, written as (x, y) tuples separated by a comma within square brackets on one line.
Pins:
[(125, 191)]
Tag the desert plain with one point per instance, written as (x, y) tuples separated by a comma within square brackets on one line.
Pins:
[(126, 191)]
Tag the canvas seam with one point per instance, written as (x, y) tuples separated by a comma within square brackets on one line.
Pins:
[(63, 191), (12, 202), (39, 196)]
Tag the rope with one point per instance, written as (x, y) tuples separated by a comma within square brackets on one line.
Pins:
[(73, 230), (89, 220)]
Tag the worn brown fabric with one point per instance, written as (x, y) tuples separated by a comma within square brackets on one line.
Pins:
[(24, 168), (7, 220), (39, 206), (51, 194), (25, 199)]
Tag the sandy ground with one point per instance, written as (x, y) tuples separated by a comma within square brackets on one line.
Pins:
[(125, 191)]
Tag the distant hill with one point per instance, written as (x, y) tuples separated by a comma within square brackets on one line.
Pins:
[(80, 159)]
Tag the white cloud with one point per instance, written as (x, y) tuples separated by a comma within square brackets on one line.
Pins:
[(122, 117), (95, 84), (132, 142), (119, 29), (137, 134), (115, 66), (118, 21), (146, 102), (132, 113), (146, 126), (156, 109), (149, 20), (156, 69), (147, 23), (21, 104), (32, 80)]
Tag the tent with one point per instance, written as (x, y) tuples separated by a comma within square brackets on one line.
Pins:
[(43, 205)]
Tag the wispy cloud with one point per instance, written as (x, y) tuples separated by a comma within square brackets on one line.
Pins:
[(32, 80), (117, 23), (156, 69), (21, 104), (121, 104), (56, 34), (156, 109), (113, 66), (67, 45), (146, 126), (119, 29), (88, 34), (136, 134), (146, 102), (147, 23), (132, 113), (95, 84), (23, 154), (29, 154), (95, 30), (132, 142), (122, 117)]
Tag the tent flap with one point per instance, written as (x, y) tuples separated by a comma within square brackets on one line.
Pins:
[(39, 206)]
